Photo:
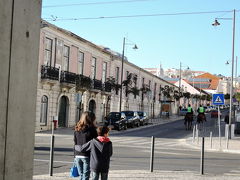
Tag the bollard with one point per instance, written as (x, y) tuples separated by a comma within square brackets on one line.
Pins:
[(197, 134), (202, 158), (152, 154), (194, 129), (211, 139), (227, 137), (51, 151)]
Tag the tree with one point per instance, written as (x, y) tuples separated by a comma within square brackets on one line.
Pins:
[(209, 97), (111, 80), (145, 89), (134, 90), (227, 96), (176, 95), (237, 96), (167, 91), (187, 95), (130, 85)]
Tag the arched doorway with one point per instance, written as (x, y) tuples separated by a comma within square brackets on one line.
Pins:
[(92, 106), (63, 112)]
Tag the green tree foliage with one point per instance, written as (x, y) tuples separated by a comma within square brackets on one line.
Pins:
[(237, 96), (227, 96)]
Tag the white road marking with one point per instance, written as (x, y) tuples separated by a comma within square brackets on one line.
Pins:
[(44, 160)]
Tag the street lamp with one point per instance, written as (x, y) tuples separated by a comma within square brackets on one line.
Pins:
[(179, 85), (134, 47), (216, 23)]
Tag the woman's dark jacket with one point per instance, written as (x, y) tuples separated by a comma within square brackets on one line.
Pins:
[(82, 137), (100, 154)]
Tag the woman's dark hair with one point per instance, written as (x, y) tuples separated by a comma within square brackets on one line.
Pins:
[(87, 120), (101, 130)]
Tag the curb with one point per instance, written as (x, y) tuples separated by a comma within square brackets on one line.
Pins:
[(144, 174), (189, 142)]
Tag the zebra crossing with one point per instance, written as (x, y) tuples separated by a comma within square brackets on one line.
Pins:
[(142, 143)]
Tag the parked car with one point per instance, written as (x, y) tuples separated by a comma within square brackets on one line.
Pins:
[(117, 120), (133, 119), (183, 112), (214, 114), (143, 118)]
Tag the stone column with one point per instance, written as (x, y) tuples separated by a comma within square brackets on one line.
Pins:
[(19, 42)]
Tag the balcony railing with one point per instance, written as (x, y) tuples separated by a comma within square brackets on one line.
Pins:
[(83, 82), (68, 77), (107, 87), (48, 72), (97, 84)]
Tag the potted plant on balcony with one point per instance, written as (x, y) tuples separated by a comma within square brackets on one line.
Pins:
[(83, 83)]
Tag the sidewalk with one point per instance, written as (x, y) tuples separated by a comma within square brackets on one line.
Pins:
[(145, 175), (152, 122), (228, 146)]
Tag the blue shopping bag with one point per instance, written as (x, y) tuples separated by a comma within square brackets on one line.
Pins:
[(74, 171)]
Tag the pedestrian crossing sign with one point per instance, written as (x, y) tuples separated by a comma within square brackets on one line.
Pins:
[(218, 99)]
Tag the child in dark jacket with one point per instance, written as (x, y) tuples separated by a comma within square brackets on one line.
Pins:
[(100, 150)]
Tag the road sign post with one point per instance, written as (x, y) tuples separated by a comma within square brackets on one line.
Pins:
[(218, 99)]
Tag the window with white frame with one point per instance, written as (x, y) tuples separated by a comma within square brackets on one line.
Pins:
[(43, 111), (104, 72), (93, 68), (66, 50), (48, 51), (80, 62)]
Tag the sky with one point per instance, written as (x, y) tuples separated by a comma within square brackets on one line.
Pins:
[(169, 32)]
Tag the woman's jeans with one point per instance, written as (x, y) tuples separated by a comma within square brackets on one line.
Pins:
[(83, 166), (95, 176)]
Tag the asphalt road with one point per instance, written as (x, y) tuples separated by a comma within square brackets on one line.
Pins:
[(132, 151)]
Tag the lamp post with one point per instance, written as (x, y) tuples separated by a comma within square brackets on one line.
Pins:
[(123, 51), (179, 85), (180, 76), (216, 23)]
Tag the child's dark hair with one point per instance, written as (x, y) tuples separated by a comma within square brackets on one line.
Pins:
[(101, 130)]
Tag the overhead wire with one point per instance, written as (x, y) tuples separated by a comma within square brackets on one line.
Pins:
[(139, 15), (94, 3)]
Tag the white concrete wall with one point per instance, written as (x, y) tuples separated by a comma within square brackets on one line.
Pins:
[(19, 29)]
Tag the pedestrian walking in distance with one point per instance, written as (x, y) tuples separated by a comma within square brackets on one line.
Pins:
[(85, 130), (100, 150)]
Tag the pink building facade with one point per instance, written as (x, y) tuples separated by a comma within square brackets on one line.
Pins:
[(67, 62)]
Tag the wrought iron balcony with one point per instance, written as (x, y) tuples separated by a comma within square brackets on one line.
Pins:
[(107, 87), (83, 82), (97, 84), (48, 72), (68, 77)]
